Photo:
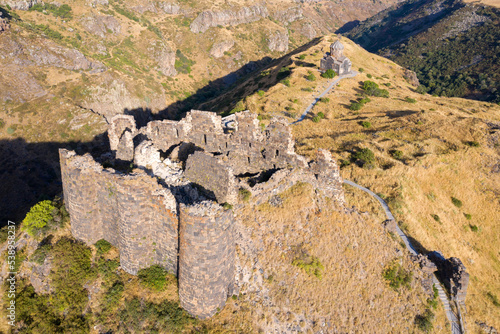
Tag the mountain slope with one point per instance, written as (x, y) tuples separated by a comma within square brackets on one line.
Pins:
[(452, 46), (426, 151)]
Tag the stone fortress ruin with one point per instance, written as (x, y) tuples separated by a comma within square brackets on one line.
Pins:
[(335, 60), (173, 207)]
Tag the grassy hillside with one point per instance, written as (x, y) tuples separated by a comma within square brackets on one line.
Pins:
[(64, 66), (299, 265), (426, 151), (452, 46)]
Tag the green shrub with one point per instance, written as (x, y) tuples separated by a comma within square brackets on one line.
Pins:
[(371, 88), (361, 70), (493, 298), (154, 277), (107, 269), (63, 11), (421, 89), (286, 82), (244, 194), (369, 76), (316, 119), (364, 100), (324, 99), (366, 124), (261, 93), (307, 89), (467, 216), (182, 63), (72, 268), (311, 77), (436, 218), (321, 115), (103, 246), (40, 254), (227, 206), (397, 154), (410, 100), (397, 276), (302, 57), (139, 316), (456, 202), (329, 74), (355, 106), (311, 265), (365, 155), (472, 143), (11, 130), (474, 228), (38, 217), (113, 295), (424, 321)]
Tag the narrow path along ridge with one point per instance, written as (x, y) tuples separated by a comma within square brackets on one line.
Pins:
[(450, 314), (326, 91)]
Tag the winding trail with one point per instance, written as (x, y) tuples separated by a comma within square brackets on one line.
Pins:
[(326, 91), (450, 314)]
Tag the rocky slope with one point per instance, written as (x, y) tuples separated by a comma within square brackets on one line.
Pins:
[(451, 45)]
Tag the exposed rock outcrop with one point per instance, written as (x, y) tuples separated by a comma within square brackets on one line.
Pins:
[(19, 4), (164, 57), (113, 96), (308, 31), (278, 41), (208, 18), (411, 77), (4, 24), (219, 48), (170, 8), (288, 15), (94, 3), (453, 273), (101, 25)]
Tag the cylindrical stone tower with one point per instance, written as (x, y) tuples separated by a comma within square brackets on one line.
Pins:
[(206, 258)]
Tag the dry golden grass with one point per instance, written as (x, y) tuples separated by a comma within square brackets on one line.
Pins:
[(438, 163), (494, 3), (351, 295)]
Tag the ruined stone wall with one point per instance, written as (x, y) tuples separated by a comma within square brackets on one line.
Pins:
[(80, 195), (248, 148), (212, 174), (133, 212), (206, 258)]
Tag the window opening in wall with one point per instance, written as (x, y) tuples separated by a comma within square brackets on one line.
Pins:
[(277, 153)]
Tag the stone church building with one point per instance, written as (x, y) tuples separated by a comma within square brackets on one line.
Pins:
[(336, 60)]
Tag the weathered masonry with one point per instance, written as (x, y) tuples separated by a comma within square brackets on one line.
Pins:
[(168, 209)]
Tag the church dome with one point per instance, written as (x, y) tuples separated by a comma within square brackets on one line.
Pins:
[(337, 46)]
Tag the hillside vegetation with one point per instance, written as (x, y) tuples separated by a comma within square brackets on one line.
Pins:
[(452, 46), (417, 151), (68, 67)]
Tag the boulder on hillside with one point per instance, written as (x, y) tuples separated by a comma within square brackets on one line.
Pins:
[(19, 4), (278, 41), (411, 77), (452, 273), (219, 48)]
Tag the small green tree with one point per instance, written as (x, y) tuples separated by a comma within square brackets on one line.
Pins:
[(38, 217), (329, 74), (154, 277), (311, 77)]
